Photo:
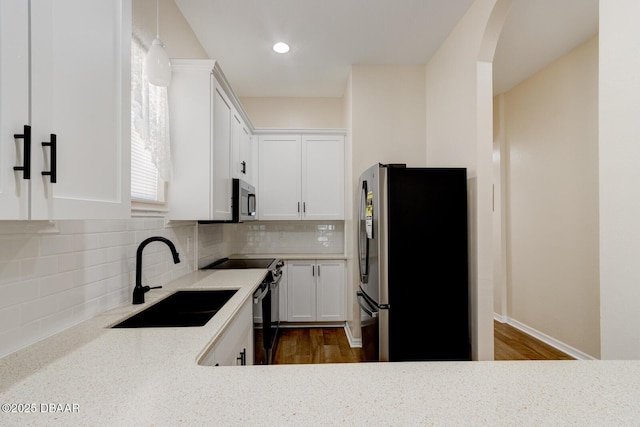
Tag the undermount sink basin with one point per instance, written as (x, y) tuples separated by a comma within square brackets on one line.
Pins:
[(181, 309)]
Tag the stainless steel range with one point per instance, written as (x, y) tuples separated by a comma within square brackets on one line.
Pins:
[(266, 319)]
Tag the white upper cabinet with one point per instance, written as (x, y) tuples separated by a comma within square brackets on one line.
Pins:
[(280, 181), (78, 66), (242, 146), (301, 177), (207, 130), (14, 109), (322, 177)]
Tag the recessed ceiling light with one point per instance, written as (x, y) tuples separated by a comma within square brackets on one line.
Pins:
[(281, 47)]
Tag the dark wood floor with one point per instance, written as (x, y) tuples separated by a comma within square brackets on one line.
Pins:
[(314, 345), (330, 345), (512, 344)]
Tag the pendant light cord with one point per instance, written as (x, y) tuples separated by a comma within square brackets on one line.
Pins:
[(158, 19)]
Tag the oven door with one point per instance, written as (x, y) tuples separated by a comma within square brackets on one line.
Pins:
[(262, 294)]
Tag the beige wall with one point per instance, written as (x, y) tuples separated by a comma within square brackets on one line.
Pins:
[(459, 134), (175, 33), (619, 156), (295, 113), (551, 131), (388, 115), (386, 120)]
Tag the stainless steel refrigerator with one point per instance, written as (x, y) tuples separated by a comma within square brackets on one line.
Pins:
[(413, 259)]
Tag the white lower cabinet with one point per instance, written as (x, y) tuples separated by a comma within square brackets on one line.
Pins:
[(235, 346), (315, 291)]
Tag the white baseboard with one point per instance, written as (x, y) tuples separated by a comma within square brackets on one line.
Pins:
[(565, 348), (353, 342), (500, 318)]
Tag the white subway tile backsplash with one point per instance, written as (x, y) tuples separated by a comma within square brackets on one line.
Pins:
[(311, 237), (18, 293), (56, 244), (9, 272), (56, 283), (54, 275), (39, 308), (10, 318), (12, 248), (38, 267)]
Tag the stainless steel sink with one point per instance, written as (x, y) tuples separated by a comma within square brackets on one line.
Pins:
[(180, 309)]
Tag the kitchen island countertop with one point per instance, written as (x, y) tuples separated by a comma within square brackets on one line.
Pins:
[(93, 375)]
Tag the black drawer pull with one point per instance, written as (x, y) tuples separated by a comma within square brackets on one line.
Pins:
[(53, 160), (26, 153), (243, 357)]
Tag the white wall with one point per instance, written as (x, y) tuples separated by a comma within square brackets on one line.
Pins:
[(619, 156), (294, 113), (459, 134), (551, 136), (175, 33)]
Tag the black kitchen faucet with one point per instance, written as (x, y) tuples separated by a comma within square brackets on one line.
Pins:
[(139, 290)]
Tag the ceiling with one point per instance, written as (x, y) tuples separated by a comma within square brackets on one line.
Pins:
[(328, 36)]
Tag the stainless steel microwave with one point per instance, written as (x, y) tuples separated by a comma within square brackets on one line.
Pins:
[(243, 201)]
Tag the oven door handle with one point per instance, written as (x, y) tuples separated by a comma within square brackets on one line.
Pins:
[(263, 294), (276, 281)]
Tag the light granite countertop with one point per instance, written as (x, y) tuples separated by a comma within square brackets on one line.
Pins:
[(93, 375)]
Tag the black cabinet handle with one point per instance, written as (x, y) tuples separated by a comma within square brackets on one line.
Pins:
[(26, 152), (318, 271), (244, 167), (304, 207), (313, 270), (243, 357), (53, 161)]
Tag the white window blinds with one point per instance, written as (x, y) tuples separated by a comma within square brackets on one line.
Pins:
[(150, 150)]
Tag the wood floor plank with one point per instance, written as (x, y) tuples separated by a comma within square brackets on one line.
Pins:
[(512, 344), (330, 345)]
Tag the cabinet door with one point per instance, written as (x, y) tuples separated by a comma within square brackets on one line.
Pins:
[(301, 291), (246, 163), (236, 341), (241, 147), (14, 107), (323, 177), (80, 91), (236, 166), (222, 128), (279, 170), (330, 290), (190, 104)]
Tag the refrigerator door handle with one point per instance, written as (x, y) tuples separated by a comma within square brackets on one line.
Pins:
[(363, 241), (368, 309)]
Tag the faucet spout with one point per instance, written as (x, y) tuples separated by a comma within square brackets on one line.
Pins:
[(139, 290)]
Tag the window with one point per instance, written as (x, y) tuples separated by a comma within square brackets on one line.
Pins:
[(150, 153)]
